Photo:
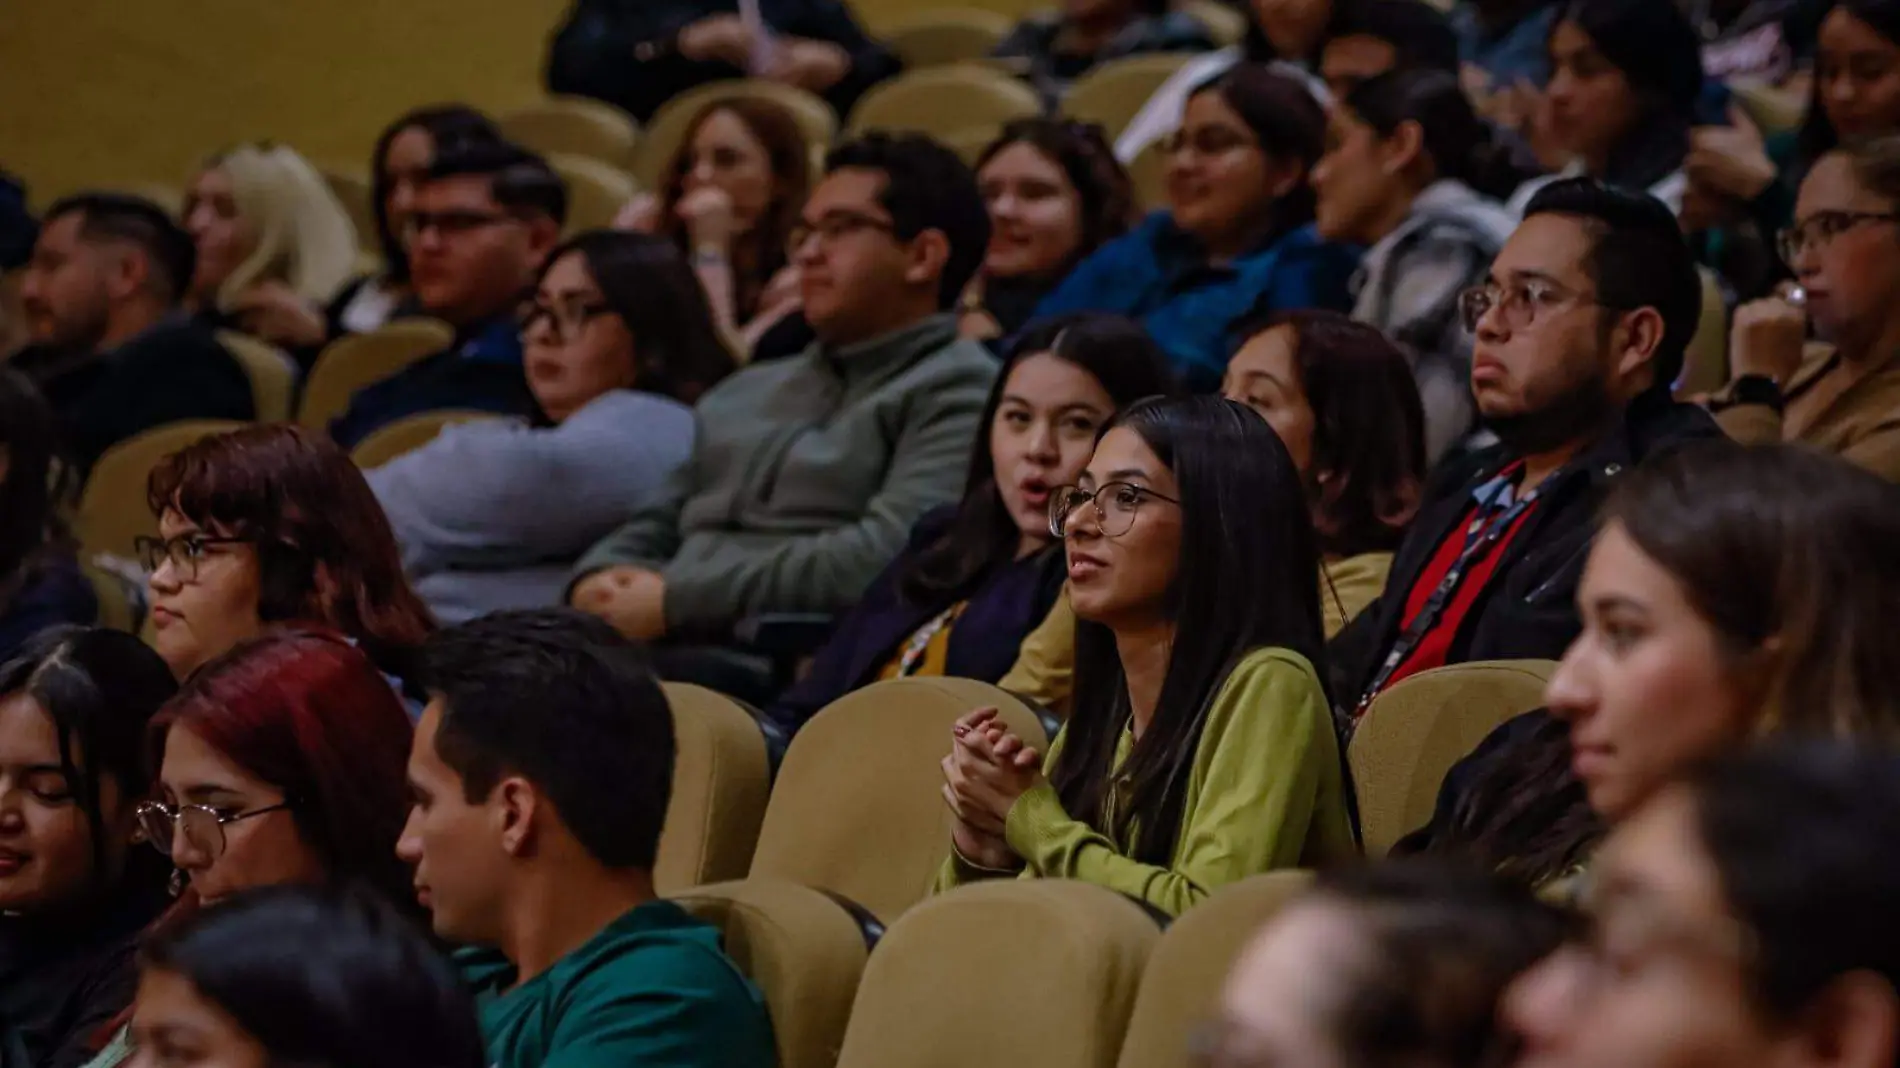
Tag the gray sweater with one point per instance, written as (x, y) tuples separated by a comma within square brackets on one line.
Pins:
[(493, 514)]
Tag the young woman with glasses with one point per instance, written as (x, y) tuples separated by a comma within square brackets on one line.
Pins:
[(1200, 749), (618, 343), (1844, 247), (74, 890), (273, 524)]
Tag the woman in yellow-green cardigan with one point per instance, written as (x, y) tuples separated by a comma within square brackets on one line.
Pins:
[(1200, 750)]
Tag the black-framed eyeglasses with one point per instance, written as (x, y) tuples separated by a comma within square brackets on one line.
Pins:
[(1115, 503), (833, 227), (1818, 230), (566, 320), (453, 223), (1519, 302), (201, 825), (185, 552)]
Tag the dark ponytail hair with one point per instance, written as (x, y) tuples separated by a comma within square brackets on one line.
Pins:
[(1461, 146)]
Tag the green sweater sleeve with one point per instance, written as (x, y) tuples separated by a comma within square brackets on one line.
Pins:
[(1266, 779)]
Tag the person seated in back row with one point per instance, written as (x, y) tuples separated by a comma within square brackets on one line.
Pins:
[(810, 471), (1368, 38), (1054, 48), (484, 220), (112, 350), (540, 776)]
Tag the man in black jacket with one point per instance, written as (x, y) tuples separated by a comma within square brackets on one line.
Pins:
[(1580, 331), (111, 349), (638, 54)]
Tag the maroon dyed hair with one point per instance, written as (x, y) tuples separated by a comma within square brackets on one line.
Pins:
[(325, 550), (306, 711)]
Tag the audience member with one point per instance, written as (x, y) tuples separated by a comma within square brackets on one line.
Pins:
[(482, 224), (291, 975), (1055, 195), (272, 524), (40, 581), (1741, 918), (1845, 251), (534, 837), (18, 230), (1411, 172), (637, 54), (1346, 407), (1626, 78), (1392, 965), (274, 246), (978, 575), (1237, 234), (112, 351), (808, 472), (493, 514), (1580, 331), (74, 894), (1200, 750), (1373, 37), (1502, 45), (1732, 593), (1051, 49), (399, 165)]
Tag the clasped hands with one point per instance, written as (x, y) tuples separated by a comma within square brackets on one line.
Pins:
[(633, 599), (988, 768)]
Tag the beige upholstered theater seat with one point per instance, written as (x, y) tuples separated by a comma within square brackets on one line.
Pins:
[(349, 363), (858, 806), (1113, 93), (1038, 972), (272, 372), (574, 125), (112, 510), (940, 101), (720, 783), (413, 432), (936, 36)]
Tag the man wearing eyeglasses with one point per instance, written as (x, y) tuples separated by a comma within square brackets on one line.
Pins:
[(1580, 330), (485, 218), (809, 471)]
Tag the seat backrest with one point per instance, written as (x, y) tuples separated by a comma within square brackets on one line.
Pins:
[(858, 807), (112, 511), (575, 126), (1180, 989), (353, 189), (1415, 731), (940, 35), (1036, 972), (596, 191), (721, 779), (272, 372), (940, 101), (1705, 363), (1114, 92), (804, 951), (351, 362), (1226, 25), (388, 442), (667, 127)]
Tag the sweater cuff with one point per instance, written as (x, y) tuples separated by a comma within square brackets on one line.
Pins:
[(1035, 818)]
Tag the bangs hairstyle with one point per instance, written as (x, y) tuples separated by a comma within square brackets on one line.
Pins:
[(1285, 119), (325, 550), (646, 283), (787, 153), (304, 236), (1122, 359), (1815, 539), (305, 711), (1247, 578), (1082, 152), (449, 127)]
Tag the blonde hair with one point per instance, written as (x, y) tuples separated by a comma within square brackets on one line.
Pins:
[(304, 236)]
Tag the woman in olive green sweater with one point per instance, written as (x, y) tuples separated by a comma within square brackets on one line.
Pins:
[(1200, 750)]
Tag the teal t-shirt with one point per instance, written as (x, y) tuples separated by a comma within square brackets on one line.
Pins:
[(652, 990)]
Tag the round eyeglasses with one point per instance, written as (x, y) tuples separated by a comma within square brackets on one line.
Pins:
[(201, 825), (1115, 505)]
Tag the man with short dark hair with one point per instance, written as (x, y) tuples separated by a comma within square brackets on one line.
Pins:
[(484, 219), (110, 347), (1580, 330), (810, 471), (540, 772), (1368, 38)]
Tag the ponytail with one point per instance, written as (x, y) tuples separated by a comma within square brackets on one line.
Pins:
[(1461, 145)]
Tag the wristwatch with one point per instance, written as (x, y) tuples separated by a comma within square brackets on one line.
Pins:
[(1754, 389)]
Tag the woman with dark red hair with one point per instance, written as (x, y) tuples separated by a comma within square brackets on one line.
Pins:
[(273, 524)]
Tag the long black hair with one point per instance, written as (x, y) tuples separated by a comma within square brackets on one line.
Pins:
[(325, 978), (35, 483), (1460, 145), (1247, 578), (1660, 55), (649, 286), (449, 126), (1818, 136), (100, 688), (1128, 364)]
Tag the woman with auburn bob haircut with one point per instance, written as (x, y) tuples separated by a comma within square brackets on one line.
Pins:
[(273, 524)]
